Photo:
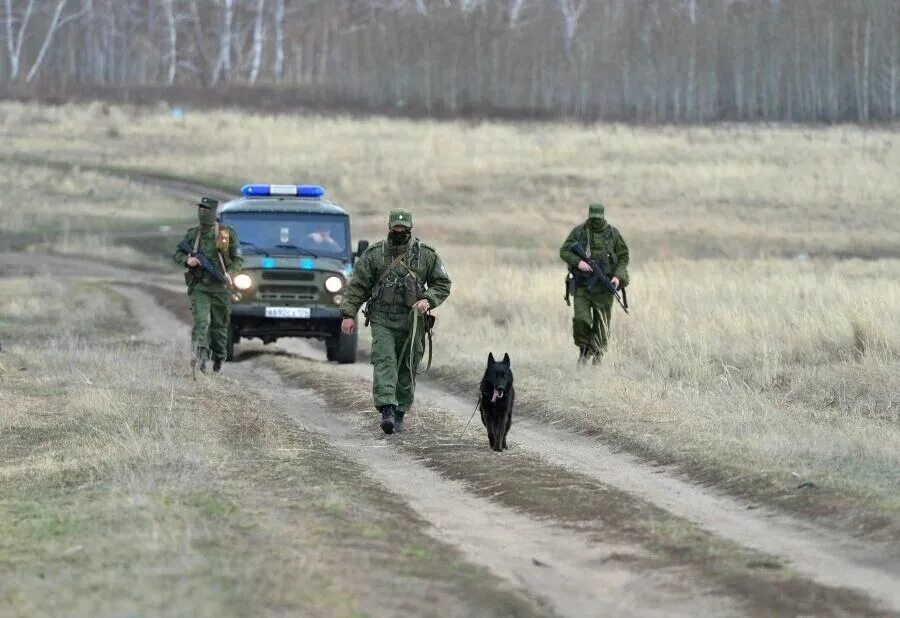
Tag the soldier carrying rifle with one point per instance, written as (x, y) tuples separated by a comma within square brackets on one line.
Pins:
[(212, 256), (597, 257)]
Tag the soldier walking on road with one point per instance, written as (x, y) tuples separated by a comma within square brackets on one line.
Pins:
[(593, 307), (209, 290), (400, 279)]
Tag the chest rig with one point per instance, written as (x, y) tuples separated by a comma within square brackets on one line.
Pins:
[(601, 246), (400, 283)]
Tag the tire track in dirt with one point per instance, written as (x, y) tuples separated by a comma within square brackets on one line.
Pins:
[(586, 578)]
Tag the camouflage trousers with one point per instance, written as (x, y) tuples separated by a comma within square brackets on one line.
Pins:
[(210, 311), (393, 382), (593, 312)]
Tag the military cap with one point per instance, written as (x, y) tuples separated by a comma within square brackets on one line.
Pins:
[(596, 211), (400, 217), (208, 202)]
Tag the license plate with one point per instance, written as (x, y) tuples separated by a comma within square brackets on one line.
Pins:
[(287, 312)]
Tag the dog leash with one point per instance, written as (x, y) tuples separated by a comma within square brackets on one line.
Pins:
[(477, 403)]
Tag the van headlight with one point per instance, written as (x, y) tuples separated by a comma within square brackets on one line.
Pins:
[(334, 284), (243, 282)]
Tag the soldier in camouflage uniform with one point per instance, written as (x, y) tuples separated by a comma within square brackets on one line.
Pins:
[(210, 299), (593, 308), (401, 278)]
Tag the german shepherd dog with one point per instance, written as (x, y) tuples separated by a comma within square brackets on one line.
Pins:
[(497, 398)]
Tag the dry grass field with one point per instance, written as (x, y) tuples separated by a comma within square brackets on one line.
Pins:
[(763, 348), (78, 211)]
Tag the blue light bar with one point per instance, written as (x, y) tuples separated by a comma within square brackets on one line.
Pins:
[(282, 190), (268, 262), (307, 264)]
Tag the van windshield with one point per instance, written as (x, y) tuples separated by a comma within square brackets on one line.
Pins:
[(278, 232)]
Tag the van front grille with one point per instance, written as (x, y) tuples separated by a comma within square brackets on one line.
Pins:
[(287, 275), (287, 293)]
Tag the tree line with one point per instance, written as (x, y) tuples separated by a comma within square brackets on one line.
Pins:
[(631, 60)]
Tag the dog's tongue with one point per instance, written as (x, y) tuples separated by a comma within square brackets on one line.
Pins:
[(496, 395)]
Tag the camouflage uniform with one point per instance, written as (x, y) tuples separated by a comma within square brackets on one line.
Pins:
[(593, 308), (392, 291), (210, 299)]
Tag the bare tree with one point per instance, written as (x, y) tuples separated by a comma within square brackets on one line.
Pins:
[(642, 60), (571, 11), (258, 30), (223, 62), (515, 12), (172, 29), (278, 62), (55, 24), (14, 40)]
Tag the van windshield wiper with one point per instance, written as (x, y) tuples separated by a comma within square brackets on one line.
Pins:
[(300, 250), (254, 248)]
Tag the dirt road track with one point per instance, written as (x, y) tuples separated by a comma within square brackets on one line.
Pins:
[(575, 577)]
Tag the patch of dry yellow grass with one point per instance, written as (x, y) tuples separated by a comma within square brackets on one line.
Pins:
[(77, 211), (729, 191)]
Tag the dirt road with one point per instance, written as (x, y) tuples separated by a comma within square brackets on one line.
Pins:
[(575, 578)]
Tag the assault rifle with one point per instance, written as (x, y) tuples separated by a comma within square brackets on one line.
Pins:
[(598, 276), (207, 265)]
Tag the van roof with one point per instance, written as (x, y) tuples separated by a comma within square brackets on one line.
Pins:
[(305, 205)]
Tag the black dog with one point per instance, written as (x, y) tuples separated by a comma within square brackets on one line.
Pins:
[(497, 398)]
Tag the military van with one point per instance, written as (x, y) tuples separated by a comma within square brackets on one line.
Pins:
[(297, 264)]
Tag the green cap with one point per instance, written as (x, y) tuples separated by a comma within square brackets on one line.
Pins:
[(596, 211), (400, 217), (208, 202)]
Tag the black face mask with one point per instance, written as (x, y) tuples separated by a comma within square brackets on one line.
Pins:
[(597, 225), (207, 216), (399, 238)]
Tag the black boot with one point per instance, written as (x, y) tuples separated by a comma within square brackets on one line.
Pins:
[(387, 418), (398, 421), (217, 366)]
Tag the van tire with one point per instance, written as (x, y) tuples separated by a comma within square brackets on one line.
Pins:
[(233, 337)]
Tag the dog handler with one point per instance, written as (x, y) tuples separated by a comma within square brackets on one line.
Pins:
[(593, 308), (399, 279)]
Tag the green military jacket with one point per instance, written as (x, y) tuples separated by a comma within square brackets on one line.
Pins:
[(225, 243), (607, 247), (420, 275)]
